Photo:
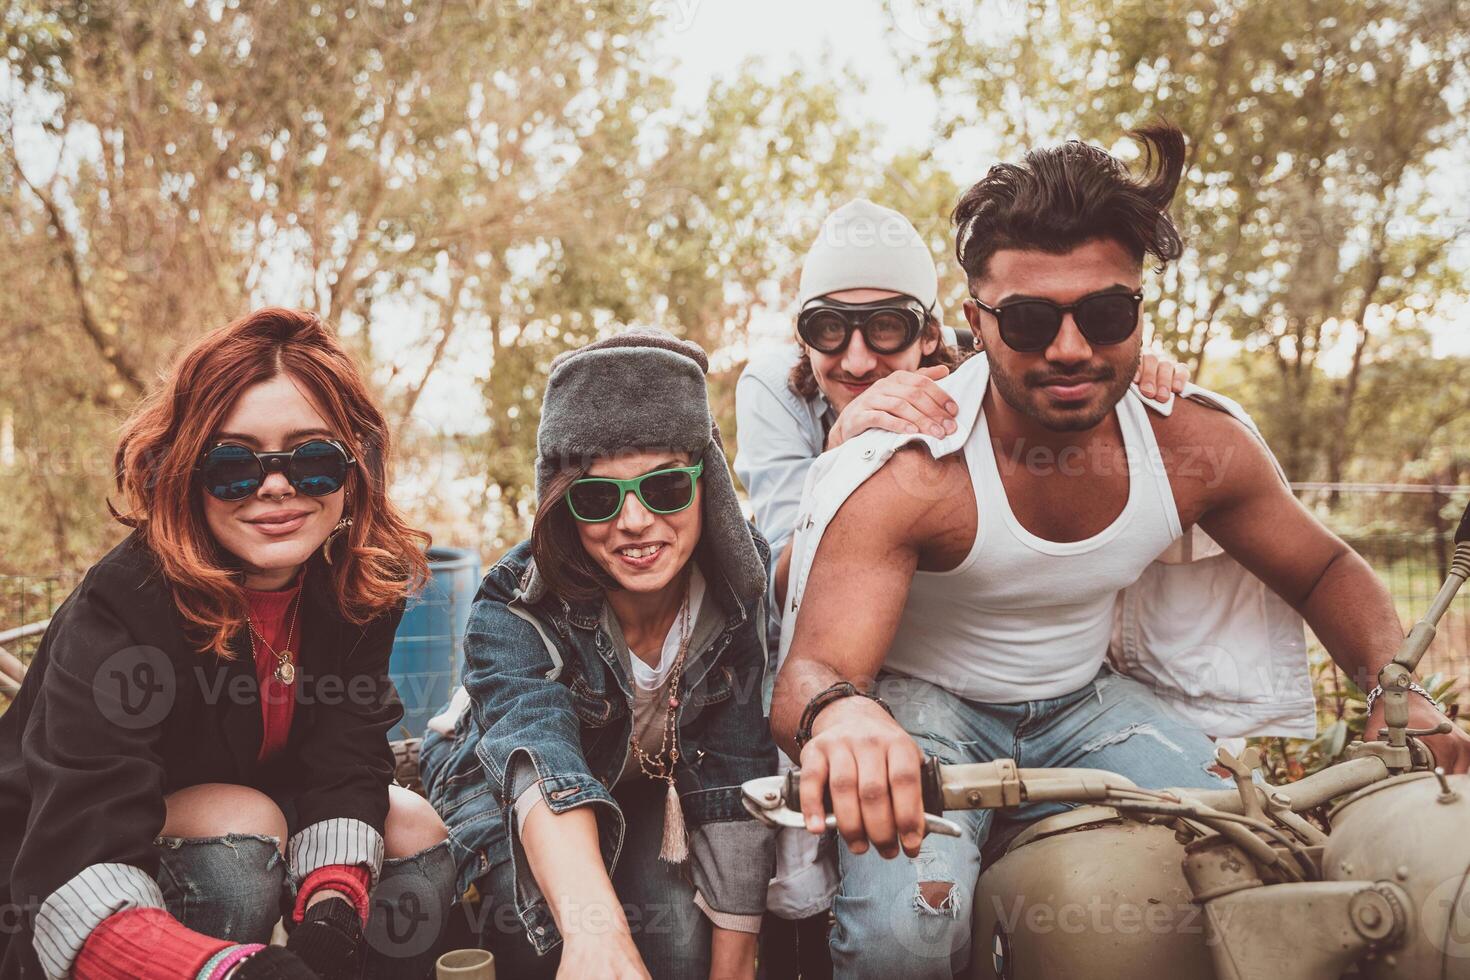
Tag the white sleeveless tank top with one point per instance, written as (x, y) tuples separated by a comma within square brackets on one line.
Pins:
[(1022, 618)]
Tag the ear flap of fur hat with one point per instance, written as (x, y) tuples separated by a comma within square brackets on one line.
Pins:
[(726, 528)]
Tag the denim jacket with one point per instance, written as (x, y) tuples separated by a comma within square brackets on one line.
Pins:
[(550, 702)]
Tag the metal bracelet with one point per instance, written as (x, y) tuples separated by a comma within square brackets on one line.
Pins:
[(1377, 693)]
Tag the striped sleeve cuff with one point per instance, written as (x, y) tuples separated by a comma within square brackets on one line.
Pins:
[(727, 920), (341, 840), (70, 913)]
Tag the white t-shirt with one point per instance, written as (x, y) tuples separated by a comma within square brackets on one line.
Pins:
[(649, 677), (650, 683)]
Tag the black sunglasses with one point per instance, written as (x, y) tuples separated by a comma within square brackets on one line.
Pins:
[(234, 472), (1030, 325), (888, 325)]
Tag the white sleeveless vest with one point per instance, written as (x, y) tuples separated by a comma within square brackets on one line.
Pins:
[(1022, 618)]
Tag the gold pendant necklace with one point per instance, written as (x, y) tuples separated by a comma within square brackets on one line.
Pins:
[(285, 671)]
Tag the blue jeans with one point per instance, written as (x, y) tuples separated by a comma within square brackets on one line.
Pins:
[(885, 925), (236, 888), (671, 933)]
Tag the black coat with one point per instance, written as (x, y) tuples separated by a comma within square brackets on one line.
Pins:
[(119, 709)]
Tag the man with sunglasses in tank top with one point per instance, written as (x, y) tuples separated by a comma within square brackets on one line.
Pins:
[(978, 595), (870, 352)]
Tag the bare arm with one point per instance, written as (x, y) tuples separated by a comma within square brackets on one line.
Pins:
[(566, 861), (836, 639), (1245, 507), (1255, 517), (871, 549)]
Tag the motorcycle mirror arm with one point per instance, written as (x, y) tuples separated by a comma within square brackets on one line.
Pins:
[(1397, 674)]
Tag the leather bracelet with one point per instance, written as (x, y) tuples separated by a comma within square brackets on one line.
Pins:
[(838, 691)]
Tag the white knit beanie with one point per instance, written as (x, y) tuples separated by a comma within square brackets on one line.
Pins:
[(863, 245)]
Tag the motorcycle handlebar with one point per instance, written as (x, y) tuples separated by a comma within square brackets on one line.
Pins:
[(1000, 784)]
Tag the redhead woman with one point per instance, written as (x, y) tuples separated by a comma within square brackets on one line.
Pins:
[(200, 747), (590, 771)]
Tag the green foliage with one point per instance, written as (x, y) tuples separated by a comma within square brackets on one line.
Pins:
[(516, 176), (733, 196), (517, 170)]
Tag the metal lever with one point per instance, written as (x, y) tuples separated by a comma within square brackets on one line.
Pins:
[(767, 800), (1243, 770), (1395, 676), (1443, 728)]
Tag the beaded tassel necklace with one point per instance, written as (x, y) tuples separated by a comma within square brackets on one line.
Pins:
[(661, 765)]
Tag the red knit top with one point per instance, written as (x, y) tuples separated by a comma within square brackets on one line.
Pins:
[(274, 614)]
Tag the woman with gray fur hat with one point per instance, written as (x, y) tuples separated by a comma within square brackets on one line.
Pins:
[(589, 771)]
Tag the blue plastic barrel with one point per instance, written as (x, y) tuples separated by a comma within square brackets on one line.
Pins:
[(428, 648)]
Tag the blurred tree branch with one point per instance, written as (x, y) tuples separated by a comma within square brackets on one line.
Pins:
[(67, 248)]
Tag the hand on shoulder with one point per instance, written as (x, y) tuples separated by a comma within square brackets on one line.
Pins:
[(906, 402)]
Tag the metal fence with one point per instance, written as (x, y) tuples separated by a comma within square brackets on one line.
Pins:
[(1404, 531), (26, 602)]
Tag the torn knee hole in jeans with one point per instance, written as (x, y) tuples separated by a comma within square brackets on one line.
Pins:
[(1122, 735), (936, 898), (231, 841)]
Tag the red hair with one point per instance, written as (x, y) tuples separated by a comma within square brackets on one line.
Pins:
[(381, 559)]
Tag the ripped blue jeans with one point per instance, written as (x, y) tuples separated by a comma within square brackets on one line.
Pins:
[(236, 887), (911, 918)]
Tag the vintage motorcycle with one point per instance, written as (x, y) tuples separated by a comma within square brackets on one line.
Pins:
[(1360, 870)]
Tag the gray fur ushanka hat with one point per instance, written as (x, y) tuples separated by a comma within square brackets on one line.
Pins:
[(645, 389)]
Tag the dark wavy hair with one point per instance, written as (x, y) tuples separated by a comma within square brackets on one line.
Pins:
[(1060, 197), (564, 564)]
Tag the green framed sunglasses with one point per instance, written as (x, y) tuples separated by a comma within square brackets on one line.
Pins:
[(597, 499)]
